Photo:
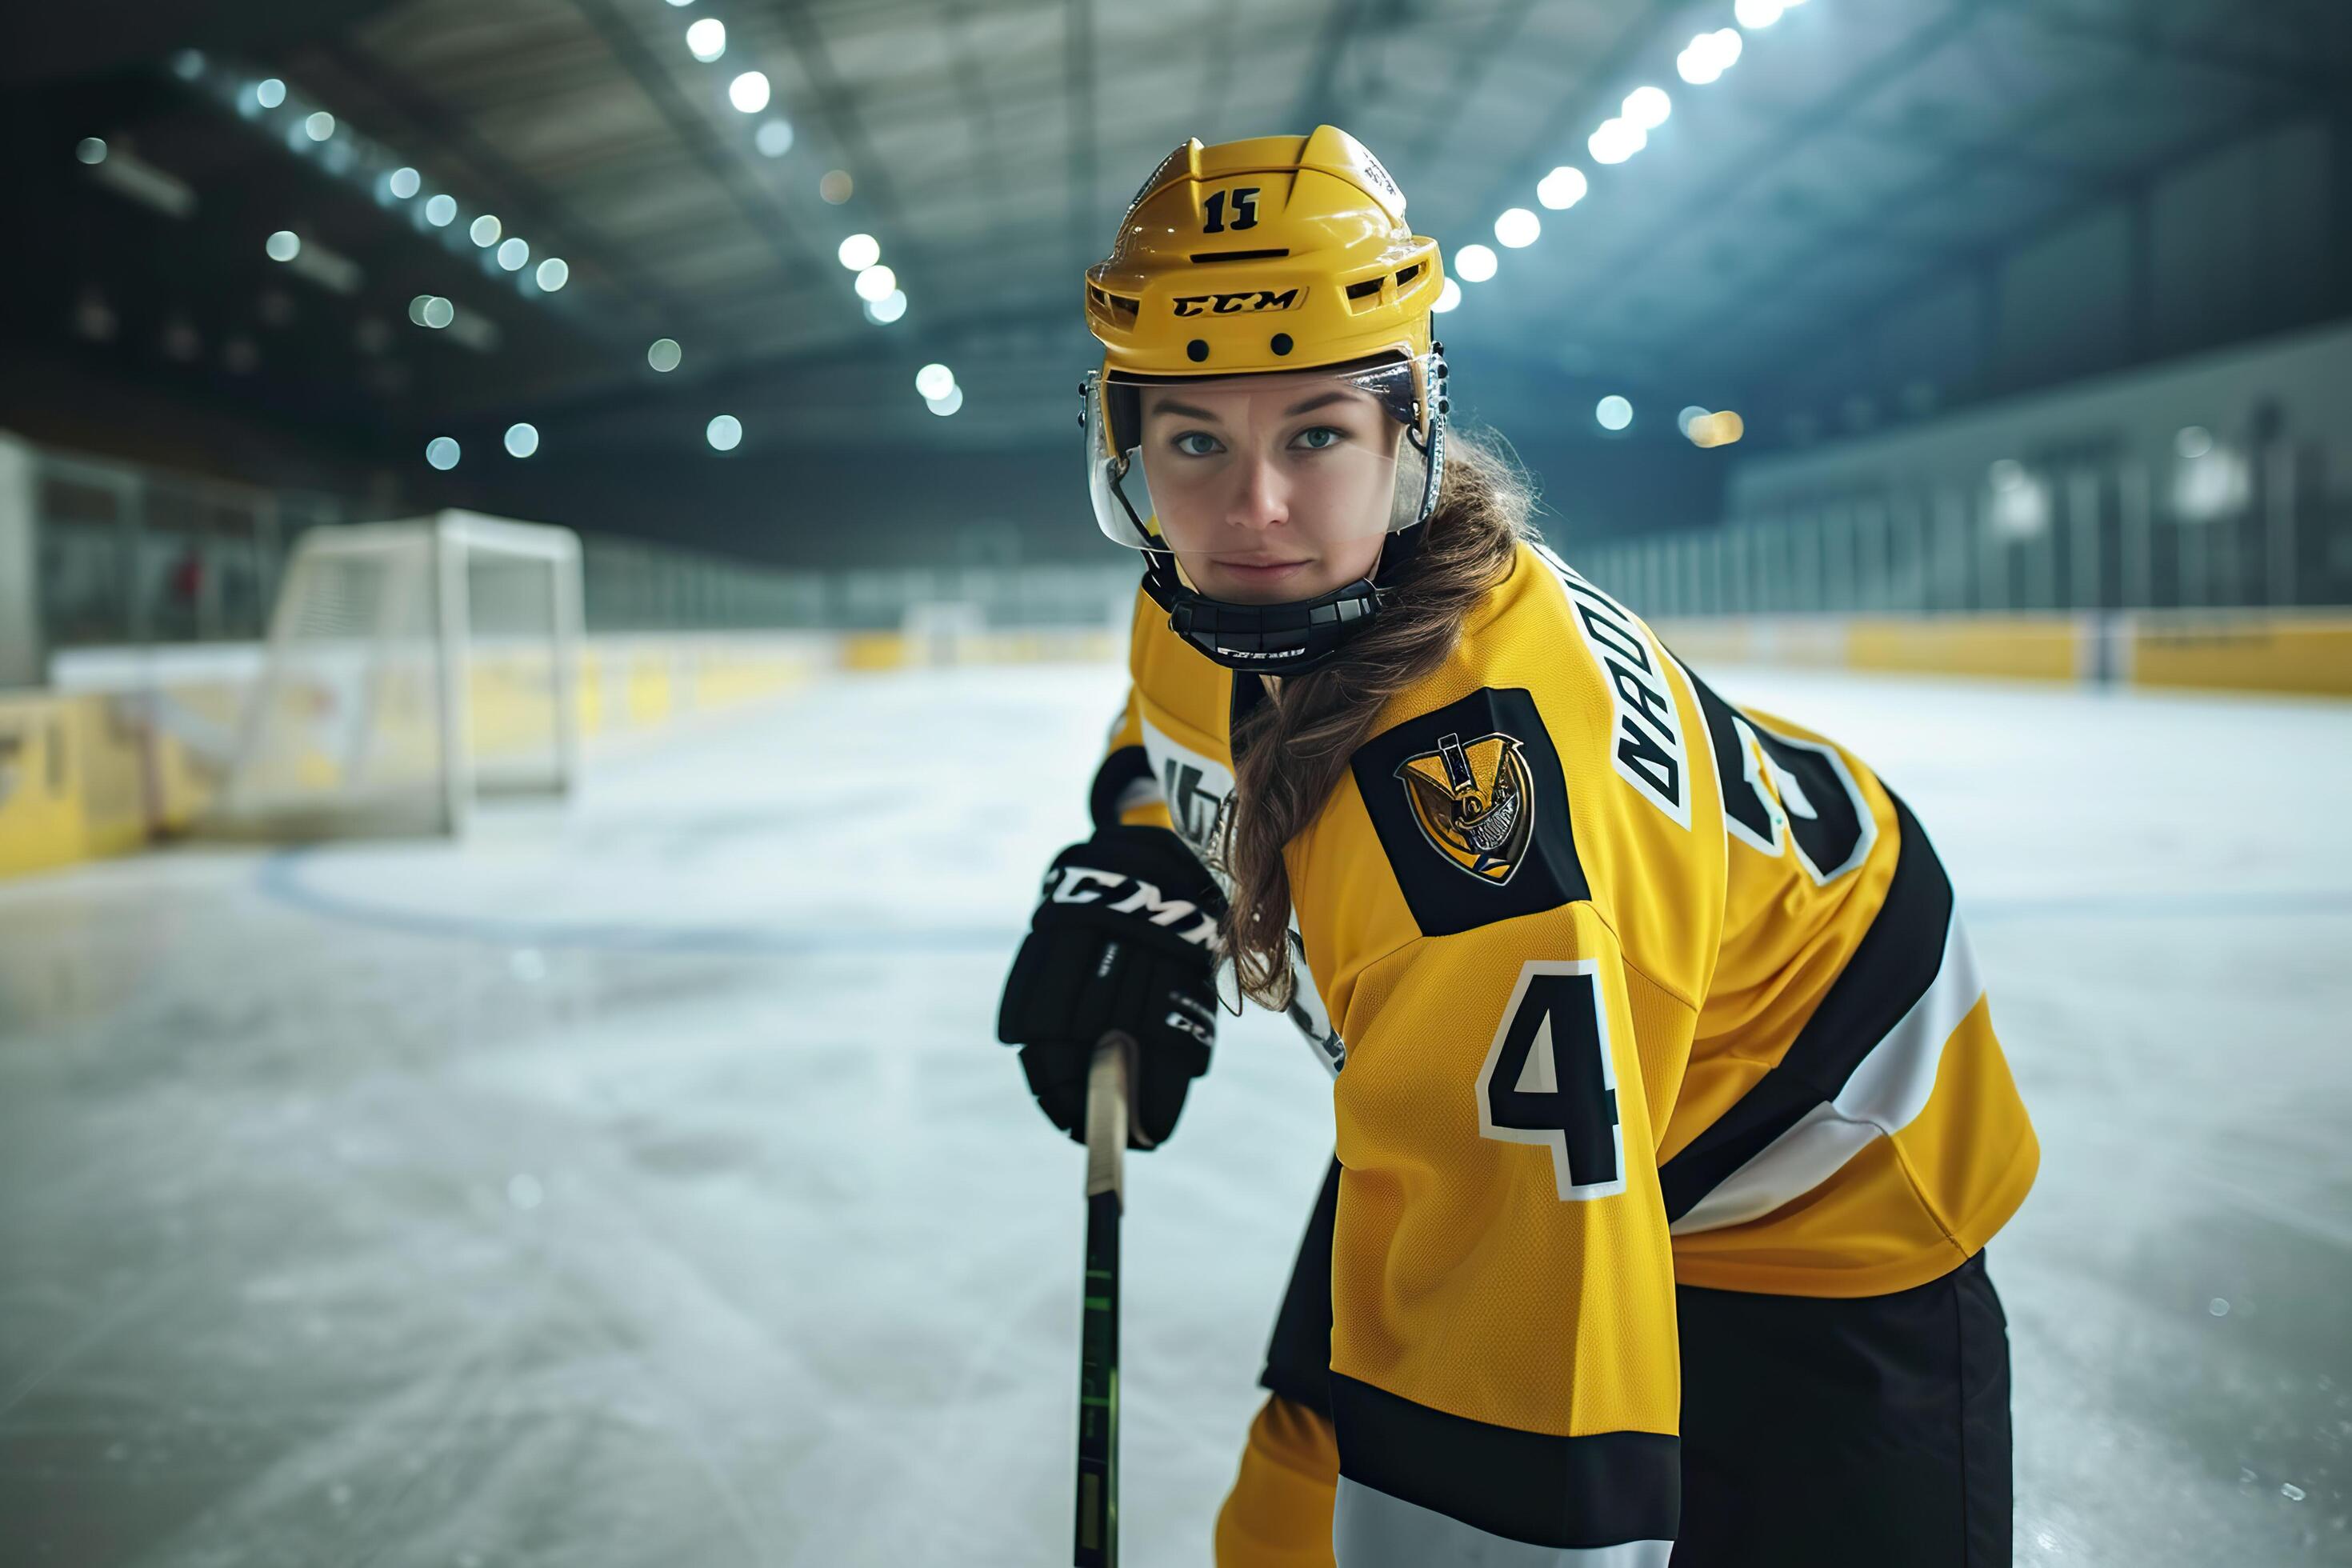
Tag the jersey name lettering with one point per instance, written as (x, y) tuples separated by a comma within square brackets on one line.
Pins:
[(1649, 738)]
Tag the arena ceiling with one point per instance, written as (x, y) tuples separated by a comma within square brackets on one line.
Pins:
[(1854, 154)]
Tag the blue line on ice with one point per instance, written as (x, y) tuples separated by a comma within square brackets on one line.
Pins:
[(280, 878)]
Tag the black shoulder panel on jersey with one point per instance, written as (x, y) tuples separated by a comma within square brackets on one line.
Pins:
[(1128, 765), (1890, 969), (1472, 807), (1741, 805), (1575, 1492)]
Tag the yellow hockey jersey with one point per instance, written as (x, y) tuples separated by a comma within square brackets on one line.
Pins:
[(1633, 986)]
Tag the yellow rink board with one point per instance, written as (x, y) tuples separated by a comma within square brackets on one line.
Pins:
[(91, 775), (2245, 654)]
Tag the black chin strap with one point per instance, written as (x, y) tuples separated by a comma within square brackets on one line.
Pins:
[(1277, 639)]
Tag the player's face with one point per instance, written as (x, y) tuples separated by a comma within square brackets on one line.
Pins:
[(1270, 489)]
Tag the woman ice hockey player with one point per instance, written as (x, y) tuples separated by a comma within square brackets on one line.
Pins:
[(1671, 1123)]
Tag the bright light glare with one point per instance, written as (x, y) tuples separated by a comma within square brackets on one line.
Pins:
[(442, 453), (1562, 188), (319, 126), (774, 139), (1709, 56), (554, 273), (484, 230), (284, 246), (1648, 106), (1474, 263), (1616, 140), (882, 312), (1613, 411), (404, 183), (664, 354), (1716, 429), (706, 40), (1448, 297), (439, 313), (934, 382), (441, 210), (522, 440), (1518, 227), (749, 92), (943, 406), (2193, 442), (90, 150), (513, 254), (271, 93), (860, 251), (724, 433), (876, 283), (1754, 15), (1683, 420)]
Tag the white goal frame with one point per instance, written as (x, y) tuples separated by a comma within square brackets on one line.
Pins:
[(430, 556)]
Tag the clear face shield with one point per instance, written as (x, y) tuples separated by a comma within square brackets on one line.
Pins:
[(1368, 439)]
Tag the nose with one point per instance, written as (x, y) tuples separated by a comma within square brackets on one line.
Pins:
[(1260, 497)]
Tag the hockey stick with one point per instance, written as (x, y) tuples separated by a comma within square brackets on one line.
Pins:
[(1098, 1522)]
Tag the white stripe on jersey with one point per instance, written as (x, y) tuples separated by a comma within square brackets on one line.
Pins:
[(1889, 1088), (1370, 1529)]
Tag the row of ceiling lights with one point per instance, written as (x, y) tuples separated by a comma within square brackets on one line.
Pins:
[(1616, 139), (936, 384), (875, 284)]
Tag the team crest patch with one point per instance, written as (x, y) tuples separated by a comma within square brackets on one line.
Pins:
[(1473, 802), (1471, 808)]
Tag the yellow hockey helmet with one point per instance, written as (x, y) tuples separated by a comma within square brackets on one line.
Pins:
[(1278, 253)]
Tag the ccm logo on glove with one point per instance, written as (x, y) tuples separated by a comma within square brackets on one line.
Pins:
[(1123, 895)]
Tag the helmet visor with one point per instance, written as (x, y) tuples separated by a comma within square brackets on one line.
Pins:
[(1365, 439)]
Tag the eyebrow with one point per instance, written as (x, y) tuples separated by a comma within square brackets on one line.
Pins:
[(1191, 411)]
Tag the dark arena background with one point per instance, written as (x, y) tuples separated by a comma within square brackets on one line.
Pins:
[(549, 621)]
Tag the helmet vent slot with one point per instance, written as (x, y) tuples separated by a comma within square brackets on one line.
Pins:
[(1407, 274), (1366, 289)]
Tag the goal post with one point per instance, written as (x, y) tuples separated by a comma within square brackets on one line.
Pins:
[(411, 669)]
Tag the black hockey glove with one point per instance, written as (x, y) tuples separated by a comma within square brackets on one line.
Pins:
[(1125, 940)]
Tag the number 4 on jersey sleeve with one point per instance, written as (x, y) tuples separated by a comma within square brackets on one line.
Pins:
[(1550, 1080)]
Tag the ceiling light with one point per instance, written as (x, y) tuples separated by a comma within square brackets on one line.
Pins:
[(1648, 106), (1518, 228), (876, 282), (860, 251), (442, 453), (707, 39), (724, 433), (1562, 188), (934, 382), (1474, 263), (749, 92)]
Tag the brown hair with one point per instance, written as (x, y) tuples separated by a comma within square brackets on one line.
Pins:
[(1288, 754)]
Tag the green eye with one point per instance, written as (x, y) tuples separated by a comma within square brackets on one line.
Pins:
[(1190, 451), (1328, 439)]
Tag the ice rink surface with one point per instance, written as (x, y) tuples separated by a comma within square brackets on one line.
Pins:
[(642, 1185)]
